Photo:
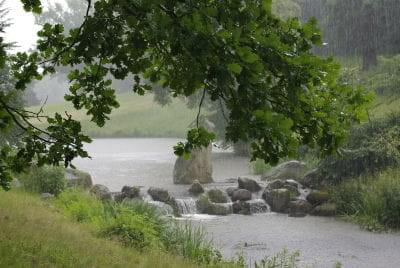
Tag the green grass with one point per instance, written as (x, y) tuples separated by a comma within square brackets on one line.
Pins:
[(34, 234), (138, 116), (384, 105), (373, 202)]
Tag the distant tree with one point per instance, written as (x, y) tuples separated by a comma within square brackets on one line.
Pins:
[(357, 27), (276, 92)]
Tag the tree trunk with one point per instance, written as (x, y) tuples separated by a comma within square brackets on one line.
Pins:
[(370, 59)]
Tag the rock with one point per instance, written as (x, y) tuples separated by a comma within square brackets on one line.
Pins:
[(78, 178), (204, 205), (159, 194), (130, 192), (289, 170), (162, 195), (292, 183), (196, 188), (118, 197), (230, 191), (250, 207), (299, 208), (46, 196), (318, 197), (312, 178), (197, 167), (101, 192), (278, 199), (162, 208), (276, 184), (249, 184), (241, 195), (294, 192), (217, 196), (326, 210)]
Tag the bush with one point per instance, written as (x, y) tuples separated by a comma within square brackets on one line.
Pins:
[(134, 230), (281, 259), (82, 207), (46, 179), (374, 202), (191, 243)]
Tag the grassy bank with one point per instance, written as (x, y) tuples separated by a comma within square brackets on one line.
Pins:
[(138, 116), (34, 234)]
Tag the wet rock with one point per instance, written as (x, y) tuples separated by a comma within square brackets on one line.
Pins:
[(217, 196), (241, 195), (249, 184), (299, 208), (278, 199), (197, 167), (206, 206), (159, 194), (250, 207), (162, 195), (289, 170), (130, 192), (312, 178), (326, 210), (101, 192), (196, 188), (46, 196), (318, 197), (78, 178), (230, 191), (292, 183), (276, 184), (294, 191)]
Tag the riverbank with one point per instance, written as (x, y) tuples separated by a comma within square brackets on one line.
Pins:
[(34, 234)]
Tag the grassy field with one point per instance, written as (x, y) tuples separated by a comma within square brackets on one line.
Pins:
[(34, 234), (138, 116)]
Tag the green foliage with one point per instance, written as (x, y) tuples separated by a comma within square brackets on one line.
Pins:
[(191, 242), (282, 259), (259, 167), (278, 95), (373, 201), (33, 233), (46, 179)]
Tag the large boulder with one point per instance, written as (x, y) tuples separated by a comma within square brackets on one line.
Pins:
[(278, 199), (289, 170), (217, 196), (78, 178), (197, 167), (250, 207), (249, 184), (196, 188), (101, 192), (276, 184), (318, 197), (299, 208), (206, 206), (241, 195)]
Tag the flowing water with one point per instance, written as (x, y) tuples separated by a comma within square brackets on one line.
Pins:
[(321, 241)]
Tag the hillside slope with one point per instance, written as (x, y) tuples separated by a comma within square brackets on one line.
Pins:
[(33, 234), (138, 116)]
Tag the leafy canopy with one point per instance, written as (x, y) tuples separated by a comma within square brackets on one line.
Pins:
[(276, 93)]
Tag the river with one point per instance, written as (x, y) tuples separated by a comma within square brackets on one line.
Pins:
[(322, 242)]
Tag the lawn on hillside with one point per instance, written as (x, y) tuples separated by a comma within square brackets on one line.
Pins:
[(138, 116)]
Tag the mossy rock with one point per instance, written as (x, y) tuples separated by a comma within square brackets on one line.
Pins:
[(326, 210), (204, 205), (78, 178), (217, 196), (318, 197)]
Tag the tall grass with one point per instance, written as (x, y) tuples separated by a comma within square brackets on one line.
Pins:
[(373, 202), (46, 179)]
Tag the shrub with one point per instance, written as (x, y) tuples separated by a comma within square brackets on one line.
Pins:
[(191, 243), (281, 259), (46, 179), (133, 230), (374, 202), (82, 207)]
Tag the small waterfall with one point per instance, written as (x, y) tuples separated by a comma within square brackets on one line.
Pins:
[(186, 206)]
